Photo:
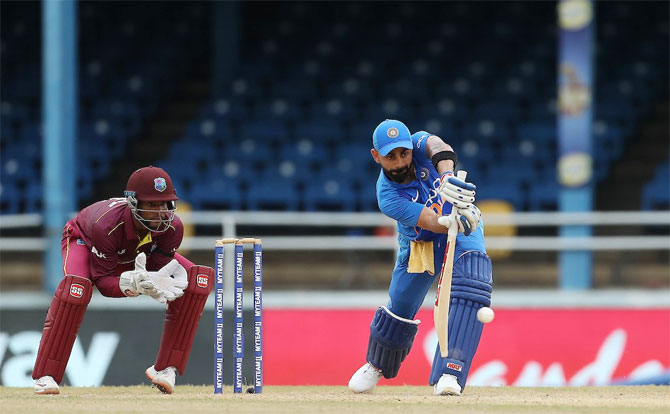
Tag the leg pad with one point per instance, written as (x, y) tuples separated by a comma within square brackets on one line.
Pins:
[(391, 339), (62, 323), (471, 289), (182, 319)]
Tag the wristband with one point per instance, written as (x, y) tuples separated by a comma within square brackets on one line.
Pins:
[(444, 155)]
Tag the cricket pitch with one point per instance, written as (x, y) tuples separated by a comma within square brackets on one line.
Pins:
[(322, 399)]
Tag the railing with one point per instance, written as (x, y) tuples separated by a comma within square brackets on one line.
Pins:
[(229, 222)]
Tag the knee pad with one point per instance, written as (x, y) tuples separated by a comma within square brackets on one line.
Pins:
[(62, 323), (470, 290), (391, 338), (182, 319)]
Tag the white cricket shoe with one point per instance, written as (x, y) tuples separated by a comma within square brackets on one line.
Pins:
[(447, 385), (163, 380), (365, 379), (46, 386)]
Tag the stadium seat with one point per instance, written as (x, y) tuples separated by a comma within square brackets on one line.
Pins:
[(275, 194), (329, 193)]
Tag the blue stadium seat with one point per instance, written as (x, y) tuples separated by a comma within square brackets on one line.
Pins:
[(305, 152), (656, 193), (252, 155), (215, 193), (209, 129), (10, 197), (321, 133), (20, 170), (224, 108), (275, 194), (543, 196), (329, 193), (333, 110), (265, 131), (501, 190), (33, 197), (367, 194)]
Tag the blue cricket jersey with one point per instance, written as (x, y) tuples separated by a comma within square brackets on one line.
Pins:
[(404, 202)]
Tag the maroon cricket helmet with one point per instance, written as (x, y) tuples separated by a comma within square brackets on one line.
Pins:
[(151, 184)]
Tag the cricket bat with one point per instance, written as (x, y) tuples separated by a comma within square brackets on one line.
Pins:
[(443, 296)]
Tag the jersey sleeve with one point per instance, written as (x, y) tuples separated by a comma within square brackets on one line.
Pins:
[(399, 208), (419, 152), (103, 263), (166, 246), (104, 257)]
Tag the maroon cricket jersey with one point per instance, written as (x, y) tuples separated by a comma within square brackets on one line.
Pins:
[(107, 229)]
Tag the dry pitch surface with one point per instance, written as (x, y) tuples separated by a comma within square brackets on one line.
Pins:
[(385, 399)]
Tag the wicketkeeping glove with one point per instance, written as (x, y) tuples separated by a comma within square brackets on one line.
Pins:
[(455, 191), (170, 281), (137, 282)]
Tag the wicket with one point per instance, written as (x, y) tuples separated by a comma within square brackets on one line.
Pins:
[(238, 334)]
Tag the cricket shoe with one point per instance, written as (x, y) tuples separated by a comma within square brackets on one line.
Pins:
[(447, 385), (46, 386), (365, 379), (163, 380)]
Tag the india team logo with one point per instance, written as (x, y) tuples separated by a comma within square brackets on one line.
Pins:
[(159, 184), (392, 132)]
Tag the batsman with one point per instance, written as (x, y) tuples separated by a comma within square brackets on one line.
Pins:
[(126, 247), (417, 188)]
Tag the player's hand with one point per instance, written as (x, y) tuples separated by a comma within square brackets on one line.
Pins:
[(468, 219), (136, 282), (455, 191), (170, 281)]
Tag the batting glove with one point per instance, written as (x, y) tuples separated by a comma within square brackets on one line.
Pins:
[(455, 191)]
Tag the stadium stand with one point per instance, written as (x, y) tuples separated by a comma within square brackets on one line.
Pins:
[(308, 92)]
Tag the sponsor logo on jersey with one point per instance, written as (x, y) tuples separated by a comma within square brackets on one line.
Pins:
[(202, 281), (424, 136), (392, 132), (159, 184), (122, 251), (76, 290), (97, 253), (424, 174), (454, 366)]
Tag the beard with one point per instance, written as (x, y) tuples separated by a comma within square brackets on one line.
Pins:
[(398, 175)]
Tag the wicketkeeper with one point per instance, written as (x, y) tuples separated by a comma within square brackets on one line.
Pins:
[(416, 187), (126, 247)]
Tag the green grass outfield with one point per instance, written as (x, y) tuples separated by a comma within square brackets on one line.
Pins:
[(385, 399)]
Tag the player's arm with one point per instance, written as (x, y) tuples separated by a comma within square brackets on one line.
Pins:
[(441, 154), (456, 192), (428, 220), (410, 213), (103, 264)]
